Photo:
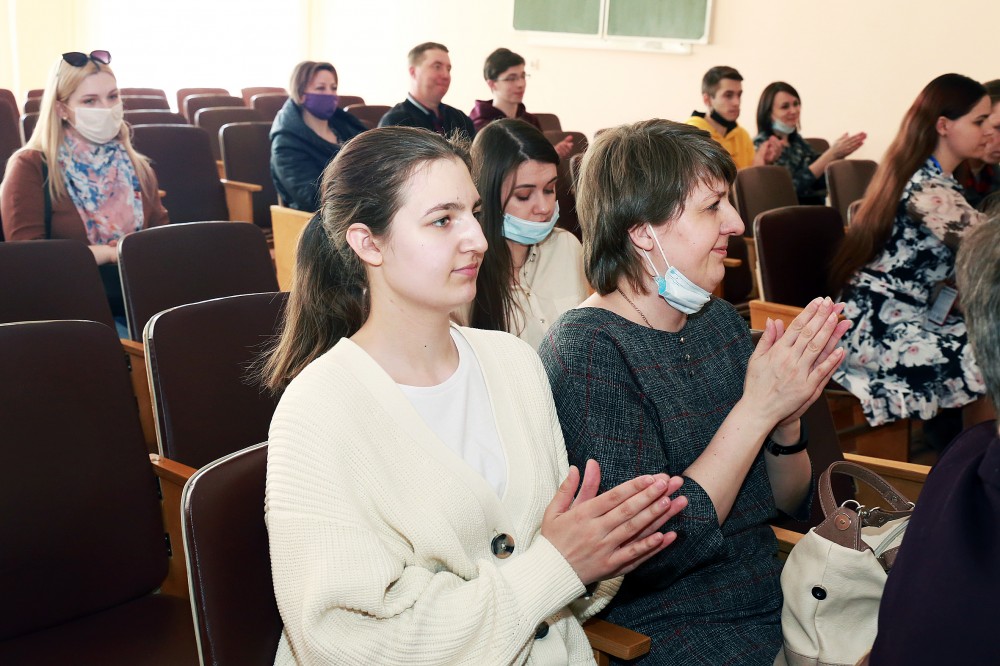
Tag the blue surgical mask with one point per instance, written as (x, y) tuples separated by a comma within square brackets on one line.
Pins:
[(779, 126), (526, 232), (674, 287)]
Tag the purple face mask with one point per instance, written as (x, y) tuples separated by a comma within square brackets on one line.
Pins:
[(320, 105)]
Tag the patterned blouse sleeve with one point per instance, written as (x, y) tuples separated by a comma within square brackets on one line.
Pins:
[(604, 416), (939, 205)]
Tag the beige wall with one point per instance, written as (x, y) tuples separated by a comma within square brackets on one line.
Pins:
[(857, 63)]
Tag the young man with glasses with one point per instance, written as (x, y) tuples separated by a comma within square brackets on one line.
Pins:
[(430, 78), (505, 75)]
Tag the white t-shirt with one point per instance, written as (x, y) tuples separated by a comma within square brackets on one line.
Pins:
[(459, 412)]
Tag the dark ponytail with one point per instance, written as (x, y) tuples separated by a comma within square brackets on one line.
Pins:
[(329, 299)]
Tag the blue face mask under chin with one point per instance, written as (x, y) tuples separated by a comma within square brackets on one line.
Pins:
[(674, 287), (526, 232)]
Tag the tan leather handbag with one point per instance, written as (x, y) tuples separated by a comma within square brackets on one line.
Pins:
[(832, 580)]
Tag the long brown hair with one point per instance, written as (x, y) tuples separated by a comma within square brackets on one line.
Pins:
[(329, 298), (949, 95), (499, 149)]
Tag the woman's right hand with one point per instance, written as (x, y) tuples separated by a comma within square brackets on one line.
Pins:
[(607, 535), (847, 144), (789, 369)]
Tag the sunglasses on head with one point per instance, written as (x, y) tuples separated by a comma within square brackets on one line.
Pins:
[(77, 59)]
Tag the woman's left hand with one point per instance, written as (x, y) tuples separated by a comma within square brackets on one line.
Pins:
[(564, 147), (789, 369)]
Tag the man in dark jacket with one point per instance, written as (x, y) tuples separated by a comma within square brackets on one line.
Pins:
[(430, 78), (307, 133)]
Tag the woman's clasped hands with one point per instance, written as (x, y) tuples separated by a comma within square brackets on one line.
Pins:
[(789, 368), (610, 534)]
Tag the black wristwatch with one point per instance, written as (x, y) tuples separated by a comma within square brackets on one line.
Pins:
[(776, 449)]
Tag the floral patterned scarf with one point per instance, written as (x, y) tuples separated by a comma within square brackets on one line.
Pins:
[(103, 186)]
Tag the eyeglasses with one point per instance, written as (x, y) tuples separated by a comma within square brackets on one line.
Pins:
[(514, 78), (77, 59)]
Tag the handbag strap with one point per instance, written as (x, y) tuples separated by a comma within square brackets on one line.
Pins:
[(895, 499)]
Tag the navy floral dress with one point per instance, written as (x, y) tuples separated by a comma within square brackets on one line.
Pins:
[(899, 363)]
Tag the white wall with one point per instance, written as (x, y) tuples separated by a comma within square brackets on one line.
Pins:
[(857, 63)]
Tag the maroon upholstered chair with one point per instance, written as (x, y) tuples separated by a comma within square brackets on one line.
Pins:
[(246, 157), (83, 551), (565, 186), (762, 188), (194, 103), (794, 246), (369, 114), (847, 181), (137, 102), (146, 92), (248, 93), (155, 117), (184, 93), (236, 614), (199, 358), (175, 264), (211, 119), (268, 104), (10, 133), (28, 122), (548, 121)]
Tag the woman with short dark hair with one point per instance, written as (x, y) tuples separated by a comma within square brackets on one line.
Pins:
[(652, 373)]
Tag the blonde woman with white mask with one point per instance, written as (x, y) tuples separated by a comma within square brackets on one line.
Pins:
[(80, 166)]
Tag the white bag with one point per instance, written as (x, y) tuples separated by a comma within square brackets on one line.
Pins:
[(832, 580)]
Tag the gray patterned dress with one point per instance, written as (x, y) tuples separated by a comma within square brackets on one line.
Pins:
[(899, 363), (643, 401)]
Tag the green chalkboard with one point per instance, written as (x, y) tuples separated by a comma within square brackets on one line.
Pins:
[(670, 19), (685, 20), (573, 16)]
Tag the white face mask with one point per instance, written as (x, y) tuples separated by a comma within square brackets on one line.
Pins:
[(99, 125), (782, 127), (675, 287)]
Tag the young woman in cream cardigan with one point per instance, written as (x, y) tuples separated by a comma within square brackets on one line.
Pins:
[(420, 507)]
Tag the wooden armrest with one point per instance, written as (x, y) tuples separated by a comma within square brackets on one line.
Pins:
[(786, 541), (161, 193), (908, 478), (221, 168), (136, 355), (610, 639), (172, 476), (761, 310), (239, 199), (732, 262), (287, 225)]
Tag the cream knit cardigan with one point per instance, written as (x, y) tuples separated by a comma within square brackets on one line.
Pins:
[(380, 535)]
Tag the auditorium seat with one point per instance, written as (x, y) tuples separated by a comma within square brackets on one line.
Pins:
[(137, 102), (248, 93), (32, 104), (211, 119), (154, 117), (194, 103), (847, 181), (10, 134), (200, 358), (548, 121), (166, 266), (182, 159), (818, 144), (184, 93), (154, 92), (369, 114), (268, 104), (90, 571), (58, 279), (246, 158), (762, 188), (344, 101), (28, 122)]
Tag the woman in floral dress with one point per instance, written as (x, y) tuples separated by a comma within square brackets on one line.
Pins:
[(908, 352)]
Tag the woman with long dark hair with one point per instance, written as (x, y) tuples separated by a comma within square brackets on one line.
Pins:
[(778, 114), (419, 506), (908, 353), (534, 271)]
